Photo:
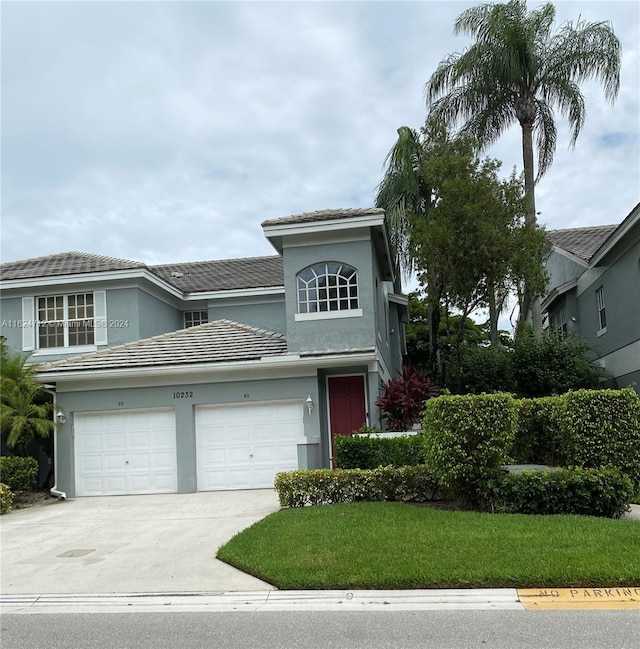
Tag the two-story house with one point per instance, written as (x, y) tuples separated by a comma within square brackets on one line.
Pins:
[(211, 375), (594, 291)]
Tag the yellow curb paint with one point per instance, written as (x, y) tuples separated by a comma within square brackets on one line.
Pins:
[(580, 598)]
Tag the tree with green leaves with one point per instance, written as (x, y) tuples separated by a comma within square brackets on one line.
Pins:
[(458, 226), (519, 71), (25, 414)]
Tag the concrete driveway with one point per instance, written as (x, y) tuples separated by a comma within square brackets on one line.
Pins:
[(165, 543)]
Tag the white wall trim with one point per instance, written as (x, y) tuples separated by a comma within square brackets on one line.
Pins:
[(328, 315)]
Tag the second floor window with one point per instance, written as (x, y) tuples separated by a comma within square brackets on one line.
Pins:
[(327, 287), (602, 314), (559, 321), (66, 320), (195, 318)]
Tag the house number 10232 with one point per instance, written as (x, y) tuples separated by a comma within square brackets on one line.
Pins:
[(187, 394)]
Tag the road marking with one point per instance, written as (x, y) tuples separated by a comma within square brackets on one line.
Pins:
[(627, 597)]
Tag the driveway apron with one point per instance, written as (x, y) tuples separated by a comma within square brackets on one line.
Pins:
[(163, 543)]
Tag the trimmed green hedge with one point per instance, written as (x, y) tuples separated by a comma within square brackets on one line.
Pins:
[(328, 486), (6, 498), (538, 439), (18, 473), (466, 436), (587, 492), (367, 452), (602, 428), (587, 428)]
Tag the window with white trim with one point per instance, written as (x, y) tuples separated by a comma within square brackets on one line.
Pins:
[(327, 287), (195, 318), (602, 313), (65, 320)]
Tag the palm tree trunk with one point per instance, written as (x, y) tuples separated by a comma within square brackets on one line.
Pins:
[(529, 190)]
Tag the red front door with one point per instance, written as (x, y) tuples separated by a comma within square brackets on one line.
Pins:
[(347, 410)]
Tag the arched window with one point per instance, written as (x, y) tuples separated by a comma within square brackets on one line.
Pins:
[(326, 287)]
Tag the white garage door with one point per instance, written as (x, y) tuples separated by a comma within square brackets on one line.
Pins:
[(125, 452), (243, 446)]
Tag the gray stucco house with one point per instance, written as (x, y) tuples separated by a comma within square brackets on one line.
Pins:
[(211, 375), (594, 291)]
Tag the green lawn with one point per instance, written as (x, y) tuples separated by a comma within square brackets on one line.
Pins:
[(397, 546)]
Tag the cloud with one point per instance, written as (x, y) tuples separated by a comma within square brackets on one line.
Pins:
[(168, 131)]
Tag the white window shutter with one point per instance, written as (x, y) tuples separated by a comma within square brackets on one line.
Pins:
[(100, 317), (28, 324)]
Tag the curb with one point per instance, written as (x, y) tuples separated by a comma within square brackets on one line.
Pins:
[(274, 600), (330, 600)]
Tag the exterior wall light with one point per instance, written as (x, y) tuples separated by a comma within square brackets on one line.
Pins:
[(60, 418), (309, 402)]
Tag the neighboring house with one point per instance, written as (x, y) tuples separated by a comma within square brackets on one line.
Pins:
[(211, 375), (595, 292)]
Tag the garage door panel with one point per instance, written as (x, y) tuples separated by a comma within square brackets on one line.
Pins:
[(248, 445), (114, 462), (125, 452), (113, 441)]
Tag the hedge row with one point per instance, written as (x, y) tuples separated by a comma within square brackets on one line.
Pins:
[(586, 428), (367, 452), (587, 492), (327, 486), (6, 498), (18, 473)]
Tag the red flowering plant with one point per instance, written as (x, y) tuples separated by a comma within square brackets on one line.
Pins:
[(402, 399)]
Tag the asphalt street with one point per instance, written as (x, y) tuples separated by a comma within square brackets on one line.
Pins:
[(503, 629)]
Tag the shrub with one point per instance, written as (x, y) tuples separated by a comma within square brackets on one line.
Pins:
[(484, 369), (588, 492), (403, 398), (550, 364), (602, 428), (328, 486), (6, 498), (18, 473), (466, 437), (366, 452), (538, 438)]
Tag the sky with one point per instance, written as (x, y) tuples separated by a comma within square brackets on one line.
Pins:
[(168, 131)]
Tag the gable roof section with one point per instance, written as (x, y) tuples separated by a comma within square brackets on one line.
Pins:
[(226, 274), (629, 229), (325, 215), (582, 242), (215, 342), (64, 263)]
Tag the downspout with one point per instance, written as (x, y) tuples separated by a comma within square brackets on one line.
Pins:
[(54, 491)]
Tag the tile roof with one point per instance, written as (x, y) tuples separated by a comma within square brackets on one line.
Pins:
[(65, 263), (582, 242), (325, 215), (189, 277), (226, 274), (215, 342)]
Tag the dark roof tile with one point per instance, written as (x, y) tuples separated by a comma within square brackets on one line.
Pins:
[(65, 263), (225, 274)]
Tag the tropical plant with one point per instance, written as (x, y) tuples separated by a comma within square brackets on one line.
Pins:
[(519, 71), (402, 399), (24, 412)]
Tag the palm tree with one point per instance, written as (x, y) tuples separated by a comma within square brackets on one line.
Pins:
[(24, 411), (23, 417), (519, 71)]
